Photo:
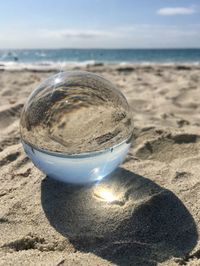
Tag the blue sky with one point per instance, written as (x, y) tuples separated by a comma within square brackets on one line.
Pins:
[(99, 23)]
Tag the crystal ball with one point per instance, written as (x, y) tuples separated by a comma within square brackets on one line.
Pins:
[(76, 127)]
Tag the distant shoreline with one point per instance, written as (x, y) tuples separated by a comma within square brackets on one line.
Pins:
[(62, 66)]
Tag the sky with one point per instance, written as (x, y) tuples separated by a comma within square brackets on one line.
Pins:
[(99, 24)]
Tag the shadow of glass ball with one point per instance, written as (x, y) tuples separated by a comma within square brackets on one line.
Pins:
[(126, 219)]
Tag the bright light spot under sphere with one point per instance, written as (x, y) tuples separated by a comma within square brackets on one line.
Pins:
[(76, 127), (106, 195)]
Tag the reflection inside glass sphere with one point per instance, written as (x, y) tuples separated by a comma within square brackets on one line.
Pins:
[(76, 127)]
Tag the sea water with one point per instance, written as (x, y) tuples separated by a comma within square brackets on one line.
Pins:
[(80, 56)]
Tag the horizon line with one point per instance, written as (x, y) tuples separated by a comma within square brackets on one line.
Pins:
[(104, 48)]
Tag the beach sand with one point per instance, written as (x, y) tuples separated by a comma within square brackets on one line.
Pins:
[(154, 216)]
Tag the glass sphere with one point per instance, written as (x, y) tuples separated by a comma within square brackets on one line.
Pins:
[(76, 127)]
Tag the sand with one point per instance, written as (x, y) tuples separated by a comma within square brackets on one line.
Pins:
[(152, 212)]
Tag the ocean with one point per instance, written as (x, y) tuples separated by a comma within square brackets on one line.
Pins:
[(49, 57)]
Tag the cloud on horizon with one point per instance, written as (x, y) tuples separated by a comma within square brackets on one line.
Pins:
[(130, 36), (73, 33), (171, 11), (142, 30)]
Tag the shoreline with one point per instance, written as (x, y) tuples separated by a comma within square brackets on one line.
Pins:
[(61, 66)]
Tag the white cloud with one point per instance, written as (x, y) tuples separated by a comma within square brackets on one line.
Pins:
[(170, 11), (75, 33)]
